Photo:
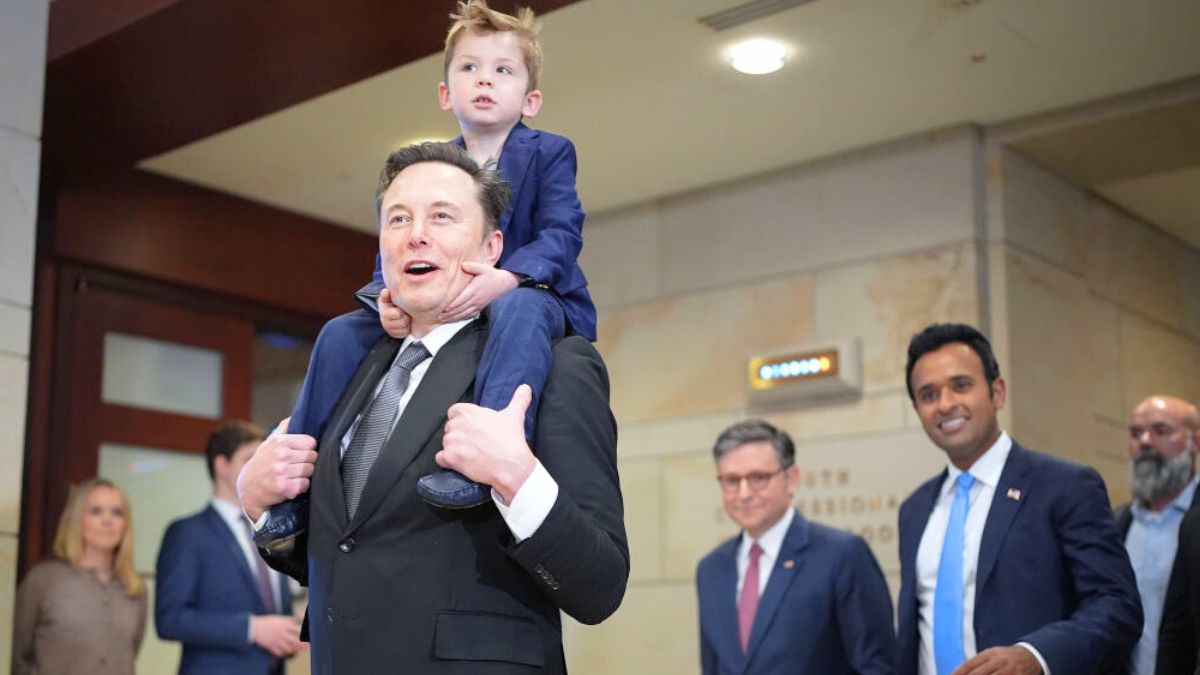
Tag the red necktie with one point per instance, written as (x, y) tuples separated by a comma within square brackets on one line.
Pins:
[(748, 603)]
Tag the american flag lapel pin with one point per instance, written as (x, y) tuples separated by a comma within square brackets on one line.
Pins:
[(1014, 494)]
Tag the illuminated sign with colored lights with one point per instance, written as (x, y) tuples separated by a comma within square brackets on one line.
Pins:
[(806, 371), (766, 373)]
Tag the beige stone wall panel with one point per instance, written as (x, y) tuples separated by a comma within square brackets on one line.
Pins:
[(906, 196), (1044, 213), (694, 521), (672, 435), (621, 256), (655, 631), (885, 302), (820, 419), (1053, 383), (641, 486), (687, 355), (1157, 360)]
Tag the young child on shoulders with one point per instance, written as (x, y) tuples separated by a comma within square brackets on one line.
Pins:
[(537, 293)]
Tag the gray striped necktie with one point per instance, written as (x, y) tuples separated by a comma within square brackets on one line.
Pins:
[(376, 425)]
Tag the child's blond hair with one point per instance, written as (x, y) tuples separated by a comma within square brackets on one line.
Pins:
[(474, 16)]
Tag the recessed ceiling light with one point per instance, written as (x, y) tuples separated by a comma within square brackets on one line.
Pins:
[(758, 56)]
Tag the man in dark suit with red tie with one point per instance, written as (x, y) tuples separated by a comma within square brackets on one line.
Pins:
[(786, 595), (213, 593)]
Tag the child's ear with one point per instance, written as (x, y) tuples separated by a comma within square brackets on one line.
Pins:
[(444, 96), (533, 103)]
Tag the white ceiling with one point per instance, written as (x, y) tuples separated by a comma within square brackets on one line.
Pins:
[(643, 90)]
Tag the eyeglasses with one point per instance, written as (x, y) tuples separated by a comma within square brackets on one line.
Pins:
[(757, 480)]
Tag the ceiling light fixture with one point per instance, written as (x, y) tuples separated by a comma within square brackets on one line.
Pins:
[(758, 56)]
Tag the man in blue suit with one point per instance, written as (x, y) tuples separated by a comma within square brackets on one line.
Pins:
[(214, 593), (1010, 561), (786, 595)]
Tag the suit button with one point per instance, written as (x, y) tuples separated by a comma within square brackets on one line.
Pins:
[(347, 545), (329, 614)]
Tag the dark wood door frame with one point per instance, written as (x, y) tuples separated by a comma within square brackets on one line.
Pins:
[(67, 420)]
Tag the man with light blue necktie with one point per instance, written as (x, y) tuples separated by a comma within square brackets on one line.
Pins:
[(1010, 562)]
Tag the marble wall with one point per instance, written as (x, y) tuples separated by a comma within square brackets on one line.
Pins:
[(875, 245), (22, 70), (1103, 310)]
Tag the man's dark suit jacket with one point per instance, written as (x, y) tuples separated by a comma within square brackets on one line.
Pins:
[(825, 609), (1179, 633), (406, 587), (1052, 569), (204, 597)]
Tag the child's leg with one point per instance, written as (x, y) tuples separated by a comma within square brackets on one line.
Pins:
[(522, 324), (339, 349)]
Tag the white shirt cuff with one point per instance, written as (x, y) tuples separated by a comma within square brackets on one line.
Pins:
[(261, 522), (1037, 655), (530, 505)]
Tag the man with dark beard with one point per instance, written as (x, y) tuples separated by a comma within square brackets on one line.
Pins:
[(1163, 434)]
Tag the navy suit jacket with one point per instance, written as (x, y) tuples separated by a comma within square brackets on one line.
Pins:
[(204, 595), (543, 226), (1052, 570), (825, 609)]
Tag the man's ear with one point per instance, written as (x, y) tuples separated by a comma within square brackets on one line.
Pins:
[(493, 245), (220, 465), (999, 392), (792, 476), (444, 96)]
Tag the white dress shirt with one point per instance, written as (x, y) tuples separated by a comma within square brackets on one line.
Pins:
[(770, 543), (986, 470), (235, 519), (532, 502)]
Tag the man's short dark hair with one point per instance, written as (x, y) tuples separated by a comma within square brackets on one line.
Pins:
[(756, 431), (493, 192), (227, 438), (938, 335)]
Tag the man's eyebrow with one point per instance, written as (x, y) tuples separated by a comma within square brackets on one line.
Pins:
[(444, 204)]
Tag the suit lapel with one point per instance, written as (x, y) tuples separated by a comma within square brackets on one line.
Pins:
[(220, 532), (913, 528), (1011, 492), (448, 378), (724, 596), (329, 460), (514, 164), (787, 566)]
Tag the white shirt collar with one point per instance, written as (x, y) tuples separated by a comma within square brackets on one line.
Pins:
[(231, 513), (437, 338), (987, 468), (771, 540)]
